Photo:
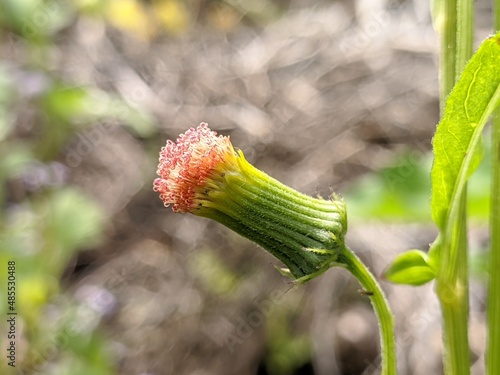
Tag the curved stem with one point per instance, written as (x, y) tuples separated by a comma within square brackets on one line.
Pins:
[(381, 307)]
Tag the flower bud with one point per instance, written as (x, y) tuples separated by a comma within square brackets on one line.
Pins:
[(203, 174)]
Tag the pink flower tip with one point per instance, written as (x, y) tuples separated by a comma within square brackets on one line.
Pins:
[(185, 166)]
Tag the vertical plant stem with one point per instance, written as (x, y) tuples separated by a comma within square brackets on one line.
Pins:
[(445, 23), (465, 35), (456, 21), (493, 346), (493, 349), (496, 15), (381, 307), (453, 293)]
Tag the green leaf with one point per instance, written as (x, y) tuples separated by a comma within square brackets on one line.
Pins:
[(412, 268), (457, 147)]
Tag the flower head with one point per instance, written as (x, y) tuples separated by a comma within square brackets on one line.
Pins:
[(187, 165), (203, 174)]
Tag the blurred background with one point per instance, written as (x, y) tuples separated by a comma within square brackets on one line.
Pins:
[(330, 96)]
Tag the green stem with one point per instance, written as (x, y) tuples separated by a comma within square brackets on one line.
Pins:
[(493, 349), (465, 35), (453, 293), (496, 15), (455, 25), (493, 346), (381, 307), (445, 22)]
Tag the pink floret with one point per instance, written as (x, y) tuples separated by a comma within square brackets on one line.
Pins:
[(186, 165)]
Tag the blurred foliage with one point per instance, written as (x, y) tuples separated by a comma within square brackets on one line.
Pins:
[(287, 350), (39, 20), (46, 221), (212, 272), (401, 192), (41, 234), (146, 20)]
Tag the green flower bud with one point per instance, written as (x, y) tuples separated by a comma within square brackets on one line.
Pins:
[(204, 175)]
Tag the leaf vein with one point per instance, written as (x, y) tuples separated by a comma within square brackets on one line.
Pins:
[(466, 101)]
